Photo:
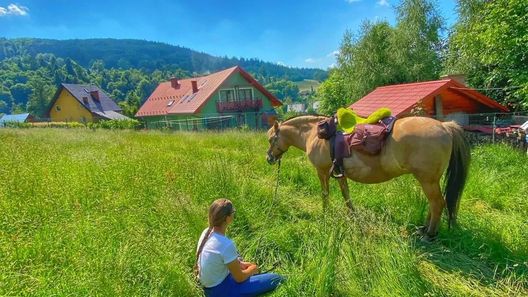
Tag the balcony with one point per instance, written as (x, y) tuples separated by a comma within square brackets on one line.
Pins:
[(237, 106)]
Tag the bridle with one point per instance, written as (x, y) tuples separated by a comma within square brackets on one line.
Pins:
[(274, 141)]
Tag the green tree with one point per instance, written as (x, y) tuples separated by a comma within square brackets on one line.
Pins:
[(380, 54), (416, 41), (332, 93), (40, 98), (3, 107), (283, 89), (489, 44)]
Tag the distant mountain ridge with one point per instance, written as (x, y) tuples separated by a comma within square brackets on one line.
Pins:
[(148, 56)]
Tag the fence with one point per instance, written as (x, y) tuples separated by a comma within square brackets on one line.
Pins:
[(243, 120), (497, 128), (195, 124)]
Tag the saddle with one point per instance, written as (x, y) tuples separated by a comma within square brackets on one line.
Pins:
[(347, 131)]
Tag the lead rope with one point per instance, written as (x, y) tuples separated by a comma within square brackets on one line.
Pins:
[(275, 195), (277, 184)]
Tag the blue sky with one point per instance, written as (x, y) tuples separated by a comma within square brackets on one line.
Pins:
[(294, 33)]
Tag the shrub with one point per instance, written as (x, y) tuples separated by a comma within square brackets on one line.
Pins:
[(116, 124)]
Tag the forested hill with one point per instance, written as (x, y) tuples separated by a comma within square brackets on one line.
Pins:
[(148, 56)]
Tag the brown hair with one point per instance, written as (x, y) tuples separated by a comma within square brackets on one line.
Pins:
[(219, 210)]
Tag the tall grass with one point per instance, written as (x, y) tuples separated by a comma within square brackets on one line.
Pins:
[(118, 213)]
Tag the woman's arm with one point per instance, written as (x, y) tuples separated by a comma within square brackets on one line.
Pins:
[(239, 274)]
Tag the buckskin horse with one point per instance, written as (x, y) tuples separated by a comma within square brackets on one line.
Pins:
[(423, 147)]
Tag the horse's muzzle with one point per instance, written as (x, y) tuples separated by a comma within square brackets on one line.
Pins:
[(271, 158)]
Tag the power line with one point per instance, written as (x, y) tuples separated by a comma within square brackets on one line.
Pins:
[(488, 89)]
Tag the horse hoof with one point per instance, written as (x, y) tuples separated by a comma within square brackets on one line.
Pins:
[(421, 231), (426, 238)]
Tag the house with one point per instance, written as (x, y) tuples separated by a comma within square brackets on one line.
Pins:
[(16, 118), (444, 99), (296, 107), (228, 98), (83, 103)]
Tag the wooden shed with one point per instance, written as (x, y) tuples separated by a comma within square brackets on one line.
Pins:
[(445, 99)]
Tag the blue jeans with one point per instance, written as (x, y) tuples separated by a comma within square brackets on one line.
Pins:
[(253, 286)]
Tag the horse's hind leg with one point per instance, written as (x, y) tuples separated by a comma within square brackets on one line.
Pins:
[(436, 206), (343, 185)]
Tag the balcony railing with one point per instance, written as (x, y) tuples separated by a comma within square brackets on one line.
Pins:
[(244, 105)]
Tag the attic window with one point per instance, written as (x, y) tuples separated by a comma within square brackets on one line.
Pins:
[(85, 100), (170, 103)]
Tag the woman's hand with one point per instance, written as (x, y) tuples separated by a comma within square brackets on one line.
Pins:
[(239, 273), (245, 265)]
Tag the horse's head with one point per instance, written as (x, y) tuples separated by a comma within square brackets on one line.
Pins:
[(277, 146)]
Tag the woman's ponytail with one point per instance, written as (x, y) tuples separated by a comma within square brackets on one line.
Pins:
[(200, 248)]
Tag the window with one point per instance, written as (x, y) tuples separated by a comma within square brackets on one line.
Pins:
[(170, 103), (85, 100), (57, 108), (245, 94), (227, 95)]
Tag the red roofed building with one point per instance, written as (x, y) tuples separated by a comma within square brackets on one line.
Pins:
[(445, 99), (227, 98)]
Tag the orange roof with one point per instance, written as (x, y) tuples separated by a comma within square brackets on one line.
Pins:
[(183, 99), (401, 98)]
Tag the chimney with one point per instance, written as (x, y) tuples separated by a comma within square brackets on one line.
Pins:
[(460, 78), (95, 95), (194, 84), (174, 83)]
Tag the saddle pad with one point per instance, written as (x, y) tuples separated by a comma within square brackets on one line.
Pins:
[(369, 138)]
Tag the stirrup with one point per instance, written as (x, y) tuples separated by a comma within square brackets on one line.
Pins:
[(336, 171), (337, 175)]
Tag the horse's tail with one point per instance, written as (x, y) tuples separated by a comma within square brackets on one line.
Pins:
[(457, 171)]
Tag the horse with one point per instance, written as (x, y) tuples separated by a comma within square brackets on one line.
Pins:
[(421, 146)]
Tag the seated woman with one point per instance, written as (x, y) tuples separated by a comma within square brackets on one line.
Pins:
[(220, 271)]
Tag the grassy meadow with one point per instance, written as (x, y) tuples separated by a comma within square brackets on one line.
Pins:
[(118, 213), (307, 85)]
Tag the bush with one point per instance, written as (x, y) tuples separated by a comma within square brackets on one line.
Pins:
[(116, 124), (110, 124), (16, 125), (68, 125)]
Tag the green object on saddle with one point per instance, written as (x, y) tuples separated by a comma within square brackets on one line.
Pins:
[(347, 119)]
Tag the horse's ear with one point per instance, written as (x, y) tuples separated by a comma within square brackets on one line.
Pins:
[(276, 126)]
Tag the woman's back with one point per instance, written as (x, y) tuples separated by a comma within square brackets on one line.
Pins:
[(217, 252)]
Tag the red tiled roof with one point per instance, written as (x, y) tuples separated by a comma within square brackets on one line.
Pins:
[(401, 98), (398, 98), (185, 102)]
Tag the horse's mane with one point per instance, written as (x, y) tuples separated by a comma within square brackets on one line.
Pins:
[(300, 119)]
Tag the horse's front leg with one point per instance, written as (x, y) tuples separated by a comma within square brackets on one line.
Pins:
[(343, 185), (324, 178)]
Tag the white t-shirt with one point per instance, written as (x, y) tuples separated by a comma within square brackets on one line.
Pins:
[(218, 251)]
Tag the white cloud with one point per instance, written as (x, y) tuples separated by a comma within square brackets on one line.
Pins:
[(14, 9), (281, 63), (352, 1), (333, 54), (383, 3), (310, 60)]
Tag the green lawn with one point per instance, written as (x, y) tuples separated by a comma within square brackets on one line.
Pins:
[(307, 85), (107, 213)]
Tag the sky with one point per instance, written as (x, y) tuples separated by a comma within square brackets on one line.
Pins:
[(290, 32)]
